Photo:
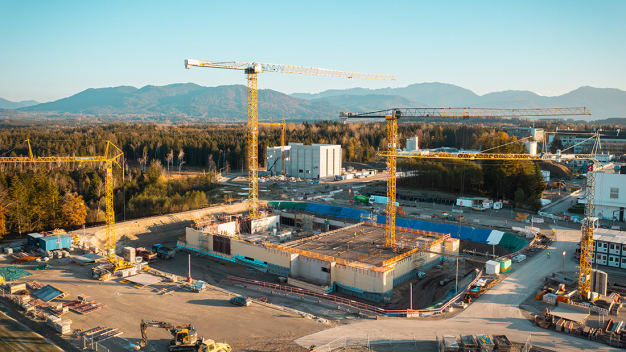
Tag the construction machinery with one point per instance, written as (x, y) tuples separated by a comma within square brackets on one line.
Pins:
[(392, 116), (184, 338), (252, 69), (112, 156), (163, 252)]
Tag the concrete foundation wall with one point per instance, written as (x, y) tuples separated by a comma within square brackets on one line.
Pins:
[(268, 255), (229, 228), (265, 223), (361, 279), (311, 269)]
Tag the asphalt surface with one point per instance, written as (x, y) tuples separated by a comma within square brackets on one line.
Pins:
[(496, 312)]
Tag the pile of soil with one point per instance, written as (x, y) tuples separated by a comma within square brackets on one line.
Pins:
[(556, 170)]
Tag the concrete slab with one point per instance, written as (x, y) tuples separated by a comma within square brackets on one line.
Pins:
[(144, 279), (570, 312)]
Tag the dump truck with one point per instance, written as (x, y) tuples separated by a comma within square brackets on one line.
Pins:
[(163, 252), (147, 256), (185, 338)]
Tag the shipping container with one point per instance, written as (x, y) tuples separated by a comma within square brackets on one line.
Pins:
[(33, 238), (50, 243)]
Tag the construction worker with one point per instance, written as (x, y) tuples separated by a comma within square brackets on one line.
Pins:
[(548, 254), (504, 222), (355, 234)]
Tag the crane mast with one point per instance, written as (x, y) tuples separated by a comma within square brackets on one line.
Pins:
[(252, 69), (392, 116), (111, 156)]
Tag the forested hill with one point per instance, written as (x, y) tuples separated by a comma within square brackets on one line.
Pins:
[(226, 103)]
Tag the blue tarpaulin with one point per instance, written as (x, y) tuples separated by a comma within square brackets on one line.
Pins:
[(466, 233)]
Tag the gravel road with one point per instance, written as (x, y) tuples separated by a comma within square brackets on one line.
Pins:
[(496, 312)]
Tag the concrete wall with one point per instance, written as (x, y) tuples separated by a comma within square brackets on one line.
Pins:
[(362, 279), (260, 253), (311, 269), (265, 223), (229, 228)]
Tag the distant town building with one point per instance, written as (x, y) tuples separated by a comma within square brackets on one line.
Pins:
[(305, 161), (611, 142)]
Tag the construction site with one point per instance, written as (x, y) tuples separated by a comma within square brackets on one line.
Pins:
[(245, 275)]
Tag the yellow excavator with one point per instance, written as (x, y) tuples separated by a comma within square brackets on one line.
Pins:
[(185, 338)]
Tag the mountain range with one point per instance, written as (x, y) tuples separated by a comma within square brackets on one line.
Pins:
[(603, 103), (229, 103), (7, 104)]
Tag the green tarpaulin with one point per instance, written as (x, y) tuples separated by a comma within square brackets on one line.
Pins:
[(288, 205)]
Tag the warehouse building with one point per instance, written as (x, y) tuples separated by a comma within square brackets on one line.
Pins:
[(314, 161)]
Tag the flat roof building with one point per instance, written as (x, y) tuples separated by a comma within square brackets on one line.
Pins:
[(314, 161)]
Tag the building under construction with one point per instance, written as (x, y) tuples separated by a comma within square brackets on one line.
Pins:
[(350, 259)]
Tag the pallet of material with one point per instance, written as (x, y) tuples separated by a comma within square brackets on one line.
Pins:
[(107, 336), (91, 331), (38, 303), (502, 343), (84, 307), (559, 324), (95, 337), (34, 285)]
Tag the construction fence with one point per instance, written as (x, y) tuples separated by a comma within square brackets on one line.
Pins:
[(348, 303)]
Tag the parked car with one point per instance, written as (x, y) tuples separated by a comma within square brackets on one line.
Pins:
[(478, 207), (241, 301)]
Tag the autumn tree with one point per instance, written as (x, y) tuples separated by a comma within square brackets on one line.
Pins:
[(19, 209), (154, 173), (74, 210)]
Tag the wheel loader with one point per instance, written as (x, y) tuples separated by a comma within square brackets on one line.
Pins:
[(185, 338)]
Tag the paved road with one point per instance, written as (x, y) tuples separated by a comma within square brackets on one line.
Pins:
[(496, 312)]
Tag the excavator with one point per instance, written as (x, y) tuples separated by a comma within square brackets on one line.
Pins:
[(185, 338)]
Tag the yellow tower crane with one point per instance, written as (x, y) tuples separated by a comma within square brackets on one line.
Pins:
[(111, 156), (282, 140), (590, 222), (252, 69), (392, 116)]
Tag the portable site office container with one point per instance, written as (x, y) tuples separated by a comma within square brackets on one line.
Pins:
[(623, 263), (615, 245), (50, 243), (33, 238), (614, 261)]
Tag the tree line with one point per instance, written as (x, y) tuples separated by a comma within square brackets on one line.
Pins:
[(520, 181), (33, 195)]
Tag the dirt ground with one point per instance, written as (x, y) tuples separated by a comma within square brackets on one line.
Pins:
[(254, 328), (15, 337)]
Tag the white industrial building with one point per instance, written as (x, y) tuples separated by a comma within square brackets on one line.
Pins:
[(412, 144), (610, 197), (314, 161)]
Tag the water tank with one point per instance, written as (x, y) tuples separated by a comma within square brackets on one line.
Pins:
[(532, 148)]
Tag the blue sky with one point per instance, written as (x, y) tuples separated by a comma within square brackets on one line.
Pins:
[(53, 49)]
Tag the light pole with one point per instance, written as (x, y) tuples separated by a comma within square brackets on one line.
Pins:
[(563, 266)]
